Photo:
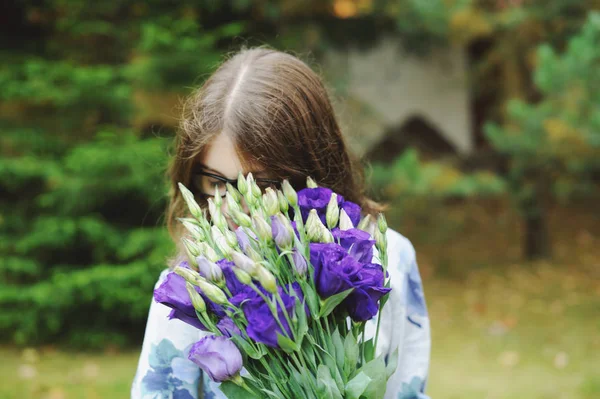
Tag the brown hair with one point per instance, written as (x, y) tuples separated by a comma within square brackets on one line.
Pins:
[(278, 113)]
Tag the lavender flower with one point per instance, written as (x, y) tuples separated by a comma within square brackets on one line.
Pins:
[(283, 234), (209, 270), (227, 327), (218, 357), (300, 264)]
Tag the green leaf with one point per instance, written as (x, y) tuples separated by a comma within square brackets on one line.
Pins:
[(356, 386), (369, 350), (308, 351), (338, 346), (392, 364), (375, 370), (351, 352), (302, 320), (311, 298), (247, 347), (287, 344), (326, 386), (233, 391), (330, 303)]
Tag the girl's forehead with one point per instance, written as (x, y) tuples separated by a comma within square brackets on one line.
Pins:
[(221, 157)]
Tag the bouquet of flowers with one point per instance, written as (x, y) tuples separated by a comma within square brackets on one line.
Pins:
[(286, 294)]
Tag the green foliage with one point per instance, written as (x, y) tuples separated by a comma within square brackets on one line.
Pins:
[(558, 139), (554, 145), (409, 177), (82, 190)]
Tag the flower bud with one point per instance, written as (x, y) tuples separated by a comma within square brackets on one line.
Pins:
[(266, 279), (326, 235), (241, 219), (313, 226), (230, 238), (217, 197), (382, 223), (209, 270), (332, 215), (261, 228), (213, 210), (283, 202), (223, 246), (289, 192), (191, 248), (194, 229), (252, 254), (197, 300), (345, 222), (242, 185), (242, 238), (242, 276), (234, 193), (310, 183), (212, 292), (364, 223), (256, 191), (192, 205), (270, 202), (380, 241), (244, 263), (189, 275), (232, 204), (210, 253), (300, 264), (283, 234)]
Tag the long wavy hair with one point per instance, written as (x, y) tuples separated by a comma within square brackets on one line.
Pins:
[(278, 113)]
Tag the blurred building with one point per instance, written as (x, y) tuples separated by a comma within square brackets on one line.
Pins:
[(389, 99)]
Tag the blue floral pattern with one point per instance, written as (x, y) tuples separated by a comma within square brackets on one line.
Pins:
[(169, 373), (413, 390)]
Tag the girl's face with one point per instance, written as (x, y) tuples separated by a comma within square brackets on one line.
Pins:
[(222, 159)]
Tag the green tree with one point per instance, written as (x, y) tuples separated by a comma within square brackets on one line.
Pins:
[(82, 188), (553, 146)]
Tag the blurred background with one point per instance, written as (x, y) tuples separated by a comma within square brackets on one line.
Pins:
[(478, 120)]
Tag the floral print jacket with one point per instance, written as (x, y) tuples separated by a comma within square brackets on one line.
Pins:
[(164, 372)]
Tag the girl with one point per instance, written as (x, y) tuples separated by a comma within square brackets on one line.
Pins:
[(268, 113)]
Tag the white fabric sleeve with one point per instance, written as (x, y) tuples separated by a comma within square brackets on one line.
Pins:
[(410, 332), (163, 369)]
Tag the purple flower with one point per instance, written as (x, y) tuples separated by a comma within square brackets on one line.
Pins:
[(369, 288), (243, 238), (357, 242), (218, 357), (227, 327), (318, 198), (262, 325), (172, 293), (233, 284), (336, 270)]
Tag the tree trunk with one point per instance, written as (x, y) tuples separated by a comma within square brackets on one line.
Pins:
[(537, 237)]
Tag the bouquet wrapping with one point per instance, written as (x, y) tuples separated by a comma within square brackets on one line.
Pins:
[(285, 294)]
